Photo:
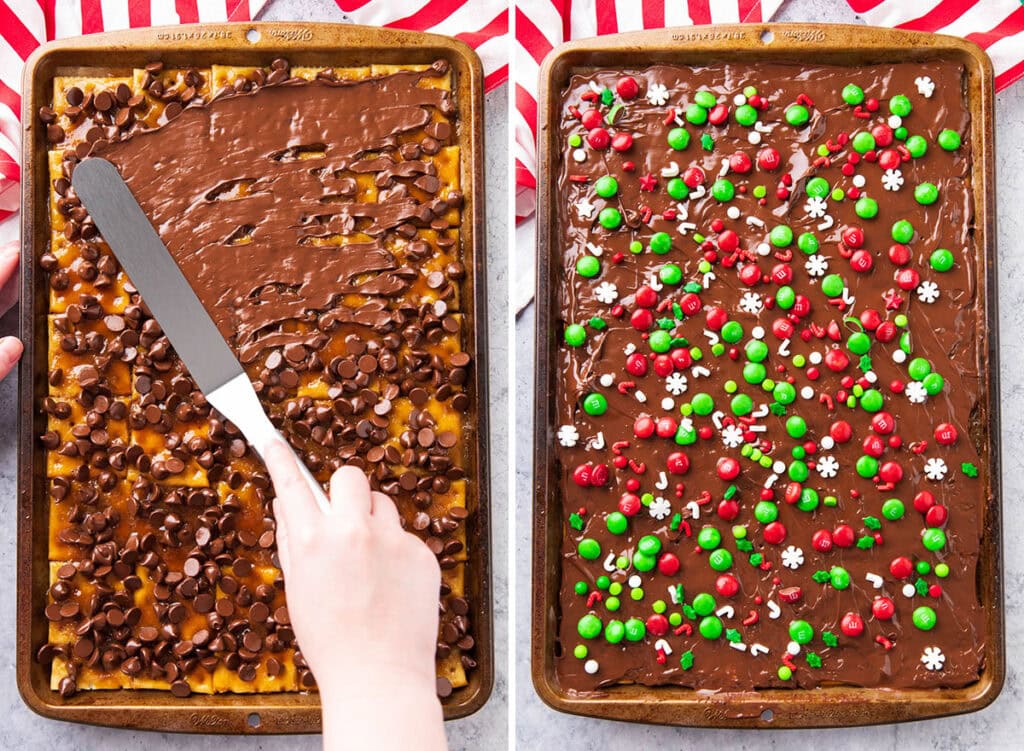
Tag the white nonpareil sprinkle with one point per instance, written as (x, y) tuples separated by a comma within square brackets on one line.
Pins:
[(899, 356), (807, 392), (814, 358), (757, 332), (591, 666), (668, 404), (793, 648), (827, 442), (579, 155), (871, 376), (733, 212), (754, 137), (909, 590), (895, 121), (859, 181), (763, 249), (779, 467), (635, 581), (739, 100)]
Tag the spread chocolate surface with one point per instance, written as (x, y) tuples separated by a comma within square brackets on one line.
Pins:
[(316, 212), (770, 402)]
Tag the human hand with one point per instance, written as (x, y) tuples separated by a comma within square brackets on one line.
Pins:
[(362, 599), (10, 346)]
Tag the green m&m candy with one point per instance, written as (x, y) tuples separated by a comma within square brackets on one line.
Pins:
[(723, 190), (785, 298), (949, 140), (643, 562), (817, 187), (710, 627), (801, 632), (798, 471), (933, 384), (863, 142), (797, 115), (917, 146), (678, 189), (588, 266), (754, 373), (610, 218), (615, 631), (796, 426), (678, 138), (741, 405), (720, 560), (696, 115), (635, 629), (781, 236), (784, 393), (732, 331), (746, 115), (649, 545), (867, 466), (872, 400), (581, 588), (839, 577), (926, 194), (833, 285), (924, 618), (606, 186), (709, 538), (617, 523), (575, 335), (866, 208), (902, 231), (918, 368), (703, 404), (595, 404), (808, 243), (703, 604), (589, 549), (941, 260), (756, 350), (660, 341), (809, 499), (670, 274), (589, 626), (661, 243), (859, 343), (766, 512), (705, 99), (853, 94), (934, 539), (900, 105), (893, 509)]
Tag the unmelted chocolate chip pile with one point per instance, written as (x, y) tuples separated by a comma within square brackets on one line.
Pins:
[(325, 245)]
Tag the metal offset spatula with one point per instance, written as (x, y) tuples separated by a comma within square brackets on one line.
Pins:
[(175, 305)]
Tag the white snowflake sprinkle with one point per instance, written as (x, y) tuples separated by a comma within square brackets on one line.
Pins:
[(816, 207), (892, 179), (675, 384), (916, 392), (932, 658), (568, 436), (657, 94), (585, 209), (928, 292), (793, 557), (751, 303), (732, 436), (606, 292), (816, 265), (659, 508), (935, 468), (828, 467), (925, 86)]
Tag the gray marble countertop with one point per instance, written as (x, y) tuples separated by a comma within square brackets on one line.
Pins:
[(488, 728), (998, 726)]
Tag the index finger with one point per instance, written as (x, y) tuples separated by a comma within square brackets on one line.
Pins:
[(295, 501)]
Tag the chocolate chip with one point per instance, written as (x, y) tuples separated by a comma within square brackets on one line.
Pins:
[(181, 689), (444, 687)]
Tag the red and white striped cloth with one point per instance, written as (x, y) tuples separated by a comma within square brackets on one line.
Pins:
[(997, 26), (482, 24), (25, 24), (540, 25)]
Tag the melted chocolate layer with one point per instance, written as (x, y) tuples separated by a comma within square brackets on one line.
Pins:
[(948, 332)]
